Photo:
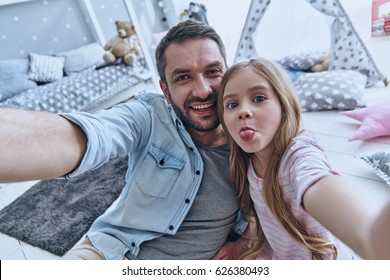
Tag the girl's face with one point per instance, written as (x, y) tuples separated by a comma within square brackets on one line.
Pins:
[(252, 111)]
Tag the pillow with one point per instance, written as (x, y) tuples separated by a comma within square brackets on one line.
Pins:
[(375, 121), (81, 58), (303, 61), (330, 90), (380, 161), (44, 68), (13, 77)]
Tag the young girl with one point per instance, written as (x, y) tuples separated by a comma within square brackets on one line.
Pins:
[(303, 208)]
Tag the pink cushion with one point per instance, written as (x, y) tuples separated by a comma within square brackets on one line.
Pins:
[(375, 120)]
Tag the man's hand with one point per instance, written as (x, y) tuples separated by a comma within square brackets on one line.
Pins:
[(234, 250), (38, 145)]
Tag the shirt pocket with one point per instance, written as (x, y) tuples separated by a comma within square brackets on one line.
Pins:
[(158, 172)]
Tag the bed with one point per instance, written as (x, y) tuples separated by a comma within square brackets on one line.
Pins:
[(89, 90), (88, 87)]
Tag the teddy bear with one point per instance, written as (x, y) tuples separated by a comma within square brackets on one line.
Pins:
[(124, 45), (323, 65)]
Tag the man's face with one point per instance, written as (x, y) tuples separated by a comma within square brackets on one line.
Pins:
[(194, 71)]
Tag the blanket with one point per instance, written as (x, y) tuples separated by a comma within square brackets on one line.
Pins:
[(54, 214)]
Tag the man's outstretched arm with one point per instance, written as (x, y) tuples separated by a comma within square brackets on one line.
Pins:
[(38, 145)]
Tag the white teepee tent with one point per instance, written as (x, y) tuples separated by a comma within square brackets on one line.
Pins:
[(277, 28)]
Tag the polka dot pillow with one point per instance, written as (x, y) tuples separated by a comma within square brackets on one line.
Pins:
[(330, 90)]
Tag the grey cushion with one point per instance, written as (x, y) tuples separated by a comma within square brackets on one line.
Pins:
[(83, 57), (13, 78), (331, 90), (45, 68), (303, 61), (380, 162)]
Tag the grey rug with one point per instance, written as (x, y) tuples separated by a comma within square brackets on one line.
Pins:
[(54, 214)]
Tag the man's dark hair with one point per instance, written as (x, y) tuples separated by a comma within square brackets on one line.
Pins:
[(186, 30)]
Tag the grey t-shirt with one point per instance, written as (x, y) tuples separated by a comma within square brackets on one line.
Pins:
[(210, 219)]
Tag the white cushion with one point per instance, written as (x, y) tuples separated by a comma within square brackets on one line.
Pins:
[(44, 68), (82, 58)]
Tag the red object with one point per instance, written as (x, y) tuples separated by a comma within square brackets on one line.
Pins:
[(387, 25), (380, 17)]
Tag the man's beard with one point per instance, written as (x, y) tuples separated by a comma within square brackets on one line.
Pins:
[(187, 121)]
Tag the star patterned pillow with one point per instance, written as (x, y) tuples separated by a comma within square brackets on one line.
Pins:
[(380, 162), (303, 61), (330, 90)]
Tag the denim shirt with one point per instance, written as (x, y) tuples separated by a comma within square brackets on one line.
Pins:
[(164, 174)]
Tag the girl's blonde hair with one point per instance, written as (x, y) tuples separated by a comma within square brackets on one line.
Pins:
[(288, 129)]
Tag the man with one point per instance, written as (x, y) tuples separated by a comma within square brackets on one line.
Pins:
[(177, 202)]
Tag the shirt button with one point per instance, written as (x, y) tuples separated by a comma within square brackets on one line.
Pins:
[(187, 201), (162, 162), (133, 244), (170, 227), (197, 172), (191, 149)]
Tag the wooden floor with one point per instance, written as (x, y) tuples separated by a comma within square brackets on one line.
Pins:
[(333, 130)]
